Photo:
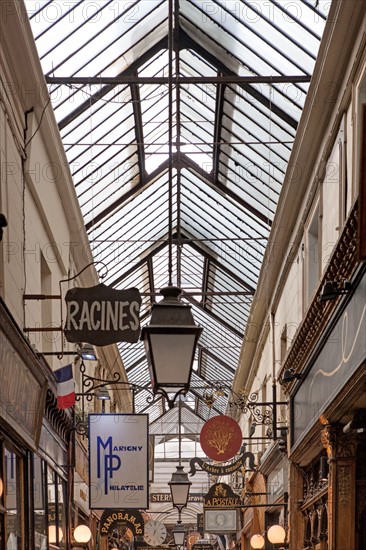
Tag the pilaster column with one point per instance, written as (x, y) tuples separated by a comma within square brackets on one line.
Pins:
[(295, 517), (341, 449)]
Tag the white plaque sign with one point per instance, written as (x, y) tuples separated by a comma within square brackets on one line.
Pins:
[(118, 461)]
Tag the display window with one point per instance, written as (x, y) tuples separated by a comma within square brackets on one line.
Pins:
[(39, 503), (13, 499), (56, 509)]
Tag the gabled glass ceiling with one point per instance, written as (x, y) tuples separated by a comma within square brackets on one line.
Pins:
[(226, 82)]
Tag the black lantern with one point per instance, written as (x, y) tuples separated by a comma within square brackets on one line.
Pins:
[(179, 488), (179, 534), (170, 343)]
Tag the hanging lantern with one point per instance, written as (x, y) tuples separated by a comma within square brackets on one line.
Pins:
[(170, 343)]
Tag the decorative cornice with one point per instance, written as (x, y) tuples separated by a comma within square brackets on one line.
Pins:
[(338, 444)]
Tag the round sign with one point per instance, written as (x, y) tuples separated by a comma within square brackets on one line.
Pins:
[(221, 438)]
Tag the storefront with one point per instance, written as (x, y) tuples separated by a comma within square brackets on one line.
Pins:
[(329, 431), (34, 448)]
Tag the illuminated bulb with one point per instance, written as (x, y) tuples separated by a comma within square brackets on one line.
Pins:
[(1, 486), (52, 534), (82, 533), (257, 541), (276, 534)]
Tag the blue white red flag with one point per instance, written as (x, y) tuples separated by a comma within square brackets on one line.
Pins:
[(65, 387)]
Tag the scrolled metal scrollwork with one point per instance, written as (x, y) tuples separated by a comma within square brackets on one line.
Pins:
[(261, 412), (90, 386), (250, 404)]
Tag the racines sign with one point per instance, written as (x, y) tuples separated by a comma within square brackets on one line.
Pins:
[(102, 315)]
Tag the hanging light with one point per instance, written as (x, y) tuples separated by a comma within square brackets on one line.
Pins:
[(179, 488), (82, 534), (257, 541), (276, 534), (170, 342), (102, 394), (179, 534), (1, 487), (87, 352)]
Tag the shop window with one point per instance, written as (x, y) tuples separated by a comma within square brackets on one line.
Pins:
[(271, 518), (56, 511), (334, 194), (12, 497), (312, 254), (39, 504)]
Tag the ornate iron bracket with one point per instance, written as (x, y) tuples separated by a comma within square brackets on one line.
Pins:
[(89, 389), (263, 412)]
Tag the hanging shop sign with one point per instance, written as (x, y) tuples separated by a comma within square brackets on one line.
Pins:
[(167, 497), (220, 509), (221, 521), (221, 438), (221, 495), (118, 461), (132, 519), (101, 315), (222, 469)]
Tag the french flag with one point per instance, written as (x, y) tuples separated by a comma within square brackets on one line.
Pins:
[(65, 387)]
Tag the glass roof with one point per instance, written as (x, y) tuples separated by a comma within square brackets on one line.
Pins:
[(195, 100)]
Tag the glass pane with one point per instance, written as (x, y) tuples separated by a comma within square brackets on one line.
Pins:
[(40, 524), (12, 501), (56, 509), (61, 509)]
